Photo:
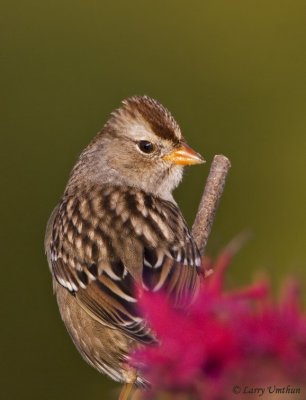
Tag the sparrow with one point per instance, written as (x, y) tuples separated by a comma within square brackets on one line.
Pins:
[(116, 230)]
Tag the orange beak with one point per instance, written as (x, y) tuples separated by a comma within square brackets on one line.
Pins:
[(184, 155)]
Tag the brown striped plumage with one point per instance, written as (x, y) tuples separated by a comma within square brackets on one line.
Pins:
[(116, 230)]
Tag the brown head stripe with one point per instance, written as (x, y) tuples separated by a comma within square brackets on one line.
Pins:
[(160, 119)]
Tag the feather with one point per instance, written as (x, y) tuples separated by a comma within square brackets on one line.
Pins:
[(103, 268)]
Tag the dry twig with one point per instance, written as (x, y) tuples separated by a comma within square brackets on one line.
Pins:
[(210, 199)]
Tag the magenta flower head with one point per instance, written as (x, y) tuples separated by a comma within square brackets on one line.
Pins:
[(225, 344)]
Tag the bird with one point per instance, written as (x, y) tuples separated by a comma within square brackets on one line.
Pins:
[(116, 231)]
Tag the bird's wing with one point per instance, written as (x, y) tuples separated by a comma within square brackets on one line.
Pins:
[(102, 252)]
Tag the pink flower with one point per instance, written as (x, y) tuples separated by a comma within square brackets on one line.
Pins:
[(224, 340)]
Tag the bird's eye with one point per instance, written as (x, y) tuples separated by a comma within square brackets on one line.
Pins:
[(145, 146)]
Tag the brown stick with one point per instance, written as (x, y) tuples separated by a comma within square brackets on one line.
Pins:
[(210, 199)]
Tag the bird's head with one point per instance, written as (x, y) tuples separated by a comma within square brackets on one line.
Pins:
[(141, 145)]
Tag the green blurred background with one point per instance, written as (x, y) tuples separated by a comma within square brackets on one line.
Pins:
[(234, 75)]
